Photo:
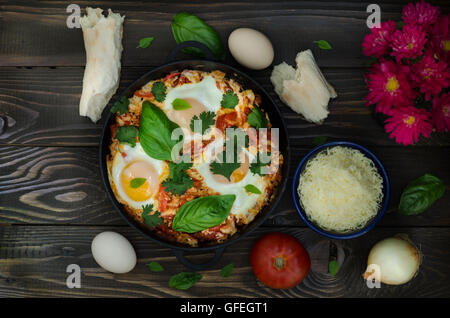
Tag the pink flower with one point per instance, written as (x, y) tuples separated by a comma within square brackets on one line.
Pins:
[(407, 124), (421, 13), (389, 87), (431, 76), (408, 42), (377, 43), (440, 39), (440, 113)]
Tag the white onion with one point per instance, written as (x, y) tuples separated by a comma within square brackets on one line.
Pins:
[(393, 261)]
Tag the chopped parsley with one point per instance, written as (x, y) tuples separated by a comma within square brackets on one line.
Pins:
[(207, 120), (179, 181), (127, 134), (121, 106), (229, 100), (257, 164), (257, 119), (224, 167), (152, 220), (159, 91)]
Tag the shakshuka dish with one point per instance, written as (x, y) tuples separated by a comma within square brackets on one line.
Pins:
[(193, 157)]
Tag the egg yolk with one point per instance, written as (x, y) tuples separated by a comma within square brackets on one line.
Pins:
[(139, 191), (184, 117)]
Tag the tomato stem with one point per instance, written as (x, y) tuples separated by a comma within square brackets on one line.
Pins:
[(279, 263)]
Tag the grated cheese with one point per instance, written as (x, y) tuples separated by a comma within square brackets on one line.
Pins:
[(340, 189)]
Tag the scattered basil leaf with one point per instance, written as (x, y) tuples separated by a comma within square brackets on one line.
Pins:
[(227, 270), (257, 119), (127, 134), (207, 120), (137, 182), (333, 267), (145, 42), (202, 213), (180, 104), (184, 280), (155, 267), (159, 91), (319, 140), (188, 27), (155, 132), (252, 189), (324, 45), (420, 194), (121, 106), (152, 220), (229, 100)]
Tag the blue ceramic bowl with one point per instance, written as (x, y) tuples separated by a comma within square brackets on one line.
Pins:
[(371, 223)]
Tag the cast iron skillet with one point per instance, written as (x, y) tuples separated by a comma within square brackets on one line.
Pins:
[(267, 104)]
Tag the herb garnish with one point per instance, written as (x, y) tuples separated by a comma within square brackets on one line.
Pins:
[(257, 119), (257, 164), (184, 280), (207, 120), (159, 91), (179, 181), (145, 42), (324, 45), (229, 100), (152, 220), (121, 106), (155, 267), (227, 270), (252, 189), (137, 182), (333, 267), (127, 134), (319, 140), (180, 104)]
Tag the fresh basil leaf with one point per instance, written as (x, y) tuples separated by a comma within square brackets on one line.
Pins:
[(420, 194), (155, 132), (145, 42), (227, 270), (155, 267), (127, 134), (202, 213), (252, 189), (137, 182), (324, 45), (121, 106), (229, 100), (159, 91), (257, 119), (188, 27), (333, 267), (180, 104), (319, 140), (184, 280)]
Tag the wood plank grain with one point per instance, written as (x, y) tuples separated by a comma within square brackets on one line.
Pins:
[(58, 185), (33, 262), (43, 106)]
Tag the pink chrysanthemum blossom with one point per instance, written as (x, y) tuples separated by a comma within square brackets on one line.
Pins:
[(377, 43), (431, 76), (408, 42), (421, 13), (440, 113), (407, 124), (389, 87), (440, 40)]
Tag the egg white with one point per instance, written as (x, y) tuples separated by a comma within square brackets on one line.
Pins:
[(136, 153)]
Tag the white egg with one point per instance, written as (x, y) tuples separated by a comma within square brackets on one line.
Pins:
[(202, 96), (133, 163), (251, 48), (113, 252)]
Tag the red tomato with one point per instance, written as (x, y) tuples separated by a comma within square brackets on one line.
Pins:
[(279, 260)]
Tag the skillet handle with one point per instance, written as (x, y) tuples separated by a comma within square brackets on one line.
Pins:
[(173, 55), (199, 267)]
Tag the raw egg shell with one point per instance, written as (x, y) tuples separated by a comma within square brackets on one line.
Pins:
[(113, 252), (251, 48)]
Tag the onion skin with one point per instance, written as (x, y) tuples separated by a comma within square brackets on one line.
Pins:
[(397, 258)]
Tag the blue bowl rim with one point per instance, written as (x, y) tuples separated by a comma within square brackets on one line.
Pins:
[(381, 170)]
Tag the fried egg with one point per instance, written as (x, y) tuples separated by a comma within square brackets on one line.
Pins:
[(202, 96), (133, 163)]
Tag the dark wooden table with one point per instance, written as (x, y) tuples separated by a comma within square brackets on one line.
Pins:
[(52, 202)]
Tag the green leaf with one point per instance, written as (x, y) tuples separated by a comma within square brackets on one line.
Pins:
[(319, 140), (127, 134), (227, 270), (333, 267), (180, 104), (257, 164), (188, 27), (257, 119), (324, 45), (137, 182), (420, 194), (145, 42), (155, 267), (229, 100), (202, 213), (207, 120), (179, 181), (152, 220), (159, 91), (252, 189), (121, 106), (184, 280), (155, 132), (225, 169)]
